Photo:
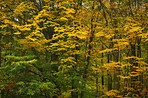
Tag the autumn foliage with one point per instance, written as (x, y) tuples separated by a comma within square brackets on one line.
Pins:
[(74, 48)]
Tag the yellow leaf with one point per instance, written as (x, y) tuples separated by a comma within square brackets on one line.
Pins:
[(99, 34), (17, 33), (63, 19)]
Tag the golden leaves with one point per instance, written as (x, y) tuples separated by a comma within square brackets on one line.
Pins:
[(112, 65), (3, 26), (124, 77), (17, 33), (129, 88), (70, 10), (69, 59), (132, 57), (97, 69), (112, 93), (22, 9), (63, 19), (101, 33), (107, 50)]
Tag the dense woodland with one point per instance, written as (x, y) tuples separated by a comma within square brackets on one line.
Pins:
[(73, 48)]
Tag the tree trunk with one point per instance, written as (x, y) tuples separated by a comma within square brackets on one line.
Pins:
[(0, 50), (73, 93), (102, 77), (133, 69), (109, 75), (116, 58), (89, 50)]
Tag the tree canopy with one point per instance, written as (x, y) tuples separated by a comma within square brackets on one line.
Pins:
[(74, 48)]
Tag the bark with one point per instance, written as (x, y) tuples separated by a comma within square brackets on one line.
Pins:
[(2, 91), (138, 47), (0, 50), (109, 80), (109, 75), (109, 58), (97, 88), (116, 59), (102, 77), (133, 69), (89, 51), (73, 93)]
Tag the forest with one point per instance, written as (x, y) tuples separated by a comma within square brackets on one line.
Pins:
[(73, 49)]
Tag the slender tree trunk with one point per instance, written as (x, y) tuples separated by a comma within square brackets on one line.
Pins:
[(116, 59), (139, 56), (109, 58), (116, 72), (102, 77), (138, 47), (2, 91), (89, 50), (133, 68), (0, 50), (109, 76), (109, 80), (73, 93), (97, 87)]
